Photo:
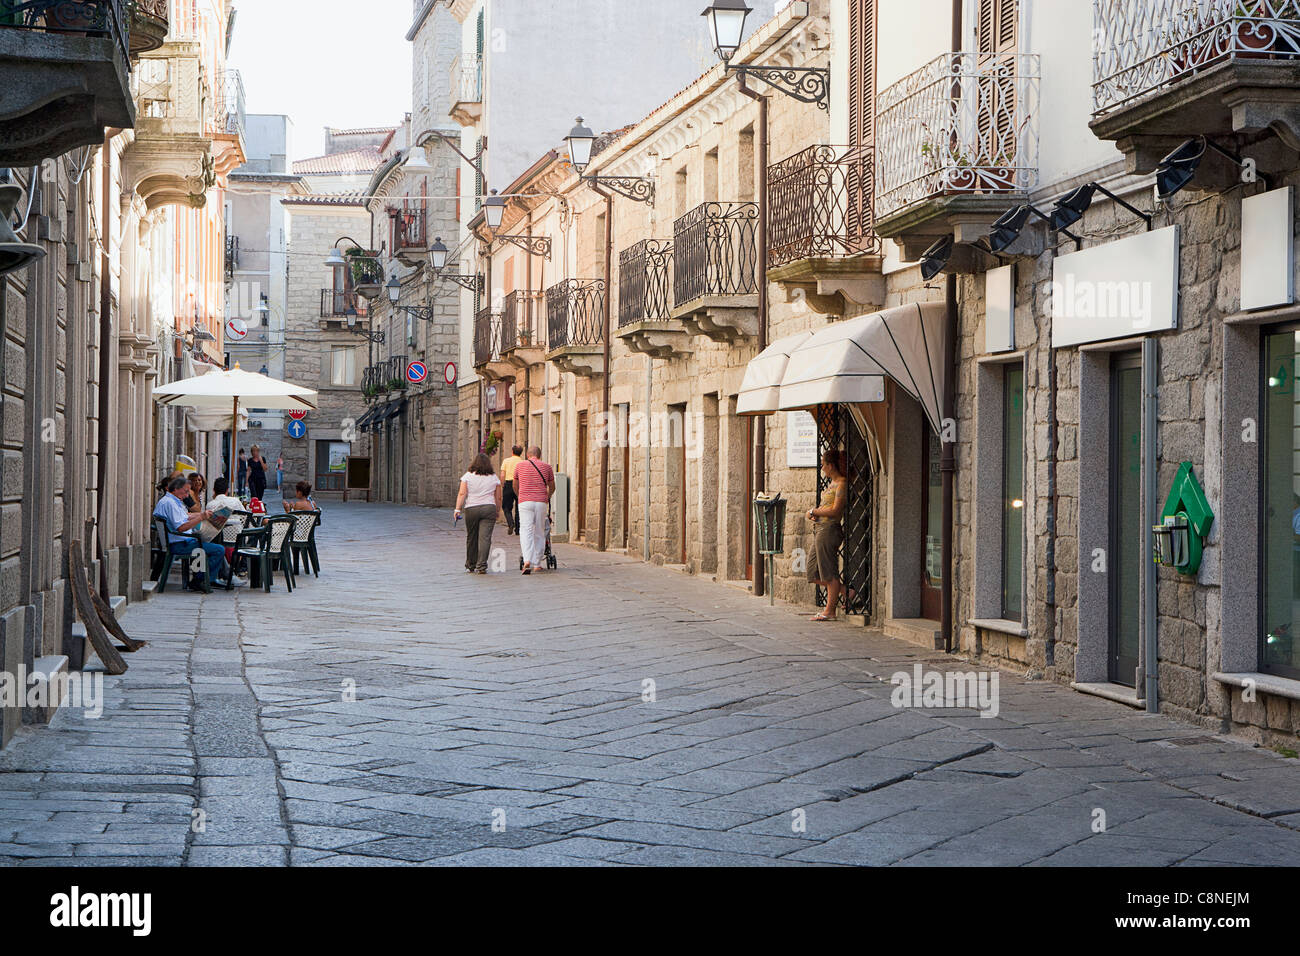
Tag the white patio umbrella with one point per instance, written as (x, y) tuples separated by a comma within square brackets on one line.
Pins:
[(226, 388)]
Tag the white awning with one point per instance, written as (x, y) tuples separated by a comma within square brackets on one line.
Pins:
[(760, 389), (847, 361)]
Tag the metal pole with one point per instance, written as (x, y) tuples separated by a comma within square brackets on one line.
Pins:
[(604, 379), (1150, 637), (760, 426), (948, 456)]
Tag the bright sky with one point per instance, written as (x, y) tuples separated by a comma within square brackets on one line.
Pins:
[(339, 63)]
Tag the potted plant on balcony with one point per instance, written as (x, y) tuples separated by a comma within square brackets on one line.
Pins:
[(367, 274), (525, 338), (1263, 29), (73, 18), (396, 384)]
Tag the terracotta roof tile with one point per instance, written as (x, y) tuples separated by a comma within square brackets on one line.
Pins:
[(363, 160)]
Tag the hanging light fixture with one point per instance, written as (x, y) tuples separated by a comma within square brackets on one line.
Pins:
[(494, 210), (580, 140), (438, 254), (1071, 208), (14, 253), (726, 19), (417, 163), (394, 287), (335, 259)]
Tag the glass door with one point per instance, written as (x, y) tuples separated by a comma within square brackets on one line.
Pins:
[(1124, 562), (932, 546)]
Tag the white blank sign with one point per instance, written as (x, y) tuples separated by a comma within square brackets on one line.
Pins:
[(1267, 250)]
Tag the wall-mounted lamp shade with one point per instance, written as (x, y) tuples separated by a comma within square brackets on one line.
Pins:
[(494, 209), (1007, 227), (203, 335), (1070, 210), (580, 140), (438, 254), (1177, 169), (726, 19), (417, 163), (351, 315), (262, 309), (14, 253), (394, 287), (335, 259), (936, 257)]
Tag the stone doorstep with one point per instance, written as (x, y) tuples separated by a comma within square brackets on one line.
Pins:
[(915, 630), (1114, 692), (82, 640), (45, 670)]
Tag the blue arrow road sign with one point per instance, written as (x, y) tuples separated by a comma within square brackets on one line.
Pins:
[(296, 428)]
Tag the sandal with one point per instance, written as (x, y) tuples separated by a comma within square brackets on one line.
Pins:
[(822, 617), (528, 569)]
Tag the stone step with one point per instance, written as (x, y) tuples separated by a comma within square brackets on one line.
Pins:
[(80, 651), (915, 630), (43, 680)]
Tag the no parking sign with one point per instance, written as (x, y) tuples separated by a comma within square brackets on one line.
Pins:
[(417, 372)]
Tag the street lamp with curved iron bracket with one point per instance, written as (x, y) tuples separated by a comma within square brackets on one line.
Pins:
[(807, 84), (580, 141)]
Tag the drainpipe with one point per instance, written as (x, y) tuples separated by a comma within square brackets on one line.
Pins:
[(649, 396), (1150, 639), (760, 423), (1050, 596), (604, 379)]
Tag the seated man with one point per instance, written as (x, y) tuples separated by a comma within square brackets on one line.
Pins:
[(222, 501), (171, 508)]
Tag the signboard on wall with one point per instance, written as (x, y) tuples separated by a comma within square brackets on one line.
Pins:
[(1267, 250), (338, 460), (1000, 309), (800, 440), (1116, 290)]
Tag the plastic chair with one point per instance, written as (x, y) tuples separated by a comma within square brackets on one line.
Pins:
[(168, 556), (266, 545), (303, 541)]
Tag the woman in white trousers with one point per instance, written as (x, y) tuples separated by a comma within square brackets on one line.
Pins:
[(534, 485)]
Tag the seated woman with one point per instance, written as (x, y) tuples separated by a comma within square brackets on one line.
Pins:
[(302, 499), (197, 488)]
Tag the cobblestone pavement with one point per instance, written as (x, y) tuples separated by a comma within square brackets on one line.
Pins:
[(502, 720)]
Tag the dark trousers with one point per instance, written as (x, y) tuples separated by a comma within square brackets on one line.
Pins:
[(479, 522), (213, 551), (257, 486), (511, 505)]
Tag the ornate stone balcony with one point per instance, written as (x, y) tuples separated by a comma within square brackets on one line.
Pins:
[(1166, 70), (645, 322), (228, 123), (956, 146), (822, 245), (466, 84), (171, 160), (488, 358), (575, 320), (66, 76), (149, 24), (715, 270), (522, 332)]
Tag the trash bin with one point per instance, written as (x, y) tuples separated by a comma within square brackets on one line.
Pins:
[(769, 529), (769, 523)]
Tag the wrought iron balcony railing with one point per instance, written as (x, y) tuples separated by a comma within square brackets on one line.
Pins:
[(467, 80), (1140, 46), (232, 256), (149, 24), (715, 251), (521, 324), (645, 282), (963, 123), (575, 313), (408, 228), (229, 115), (820, 204), (487, 336), (95, 18), (337, 305)]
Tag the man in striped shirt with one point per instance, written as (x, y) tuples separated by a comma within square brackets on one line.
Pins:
[(534, 484)]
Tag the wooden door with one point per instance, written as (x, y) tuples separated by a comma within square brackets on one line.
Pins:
[(580, 523), (627, 474)]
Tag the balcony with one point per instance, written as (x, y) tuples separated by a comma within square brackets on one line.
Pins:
[(229, 122), (149, 24), (466, 85), (408, 235), (645, 322), (715, 270), (1165, 70), (171, 162), (66, 76), (232, 257), (488, 358), (575, 326), (822, 245), (957, 144), (341, 305), (522, 342)]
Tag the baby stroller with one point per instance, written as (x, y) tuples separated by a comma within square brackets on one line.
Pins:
[(551, 562)]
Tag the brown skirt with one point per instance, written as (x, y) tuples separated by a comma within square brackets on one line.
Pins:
[(824, 558)]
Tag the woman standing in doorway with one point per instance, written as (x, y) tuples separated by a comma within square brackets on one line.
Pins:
[(828, 535), (257, 466)]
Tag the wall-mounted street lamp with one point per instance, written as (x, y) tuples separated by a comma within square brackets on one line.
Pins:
[(394, 287), (1008, 226), (356, 328), (1177, 169), (14, 253), (438, 259), (580, 141), (807, 84)]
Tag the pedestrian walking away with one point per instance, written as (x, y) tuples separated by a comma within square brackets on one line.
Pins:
[(241, 473), (279, 473), (534, 485), (828, 534), (257, 467), (508, 497), (479, 503)]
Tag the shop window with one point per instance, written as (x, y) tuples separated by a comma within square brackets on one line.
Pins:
[(1013, 492)]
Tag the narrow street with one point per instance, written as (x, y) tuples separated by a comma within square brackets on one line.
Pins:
[(509, 720)]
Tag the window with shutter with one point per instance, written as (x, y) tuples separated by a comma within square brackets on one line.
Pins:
[(996, 42), (862, 120)]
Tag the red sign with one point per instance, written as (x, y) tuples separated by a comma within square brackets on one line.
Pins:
[(449, 373), (298, 414)]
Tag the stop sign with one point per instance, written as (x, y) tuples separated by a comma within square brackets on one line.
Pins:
[(298, 414)]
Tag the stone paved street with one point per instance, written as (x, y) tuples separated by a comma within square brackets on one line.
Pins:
[(501, 720)]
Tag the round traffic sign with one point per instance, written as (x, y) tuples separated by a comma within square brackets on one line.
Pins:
[(296, 428), (237, 328), (417, 372), (449, 373), (298, 414)]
